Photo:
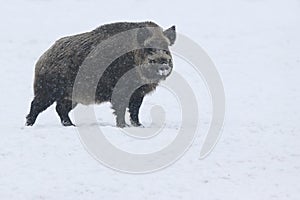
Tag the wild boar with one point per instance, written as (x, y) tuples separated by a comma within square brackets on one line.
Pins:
[(57, 69)]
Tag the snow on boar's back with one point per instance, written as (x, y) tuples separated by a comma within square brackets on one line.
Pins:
[(146, 56)]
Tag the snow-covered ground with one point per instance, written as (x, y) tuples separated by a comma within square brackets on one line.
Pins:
[(255, 45)]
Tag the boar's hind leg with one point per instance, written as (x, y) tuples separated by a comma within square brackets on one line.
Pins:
[(38, 105), (134, 107), (63, 107), (120, 110)]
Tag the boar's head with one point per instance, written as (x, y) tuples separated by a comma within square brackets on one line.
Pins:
[(154, 60)]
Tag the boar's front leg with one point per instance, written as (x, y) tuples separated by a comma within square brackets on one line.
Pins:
[(63, 107), (134, 107), (120, 110)]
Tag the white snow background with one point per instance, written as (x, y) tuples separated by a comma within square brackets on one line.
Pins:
[(255, 45)]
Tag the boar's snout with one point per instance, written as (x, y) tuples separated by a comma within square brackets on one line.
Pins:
[(164, 70)]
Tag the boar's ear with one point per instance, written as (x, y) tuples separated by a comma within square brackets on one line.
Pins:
[(142, 35), (170, 33)]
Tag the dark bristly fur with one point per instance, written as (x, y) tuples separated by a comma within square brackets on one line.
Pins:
[(57, 68)]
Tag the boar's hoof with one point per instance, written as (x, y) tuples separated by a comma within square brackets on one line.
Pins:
[(67, 123), (29, 121), (136, 124), (122, 125)]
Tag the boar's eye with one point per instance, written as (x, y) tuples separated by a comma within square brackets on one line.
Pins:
[(151, 61), (164, 61), (151, 50)]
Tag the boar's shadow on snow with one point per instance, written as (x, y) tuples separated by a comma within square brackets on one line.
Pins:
[(148, 60)]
